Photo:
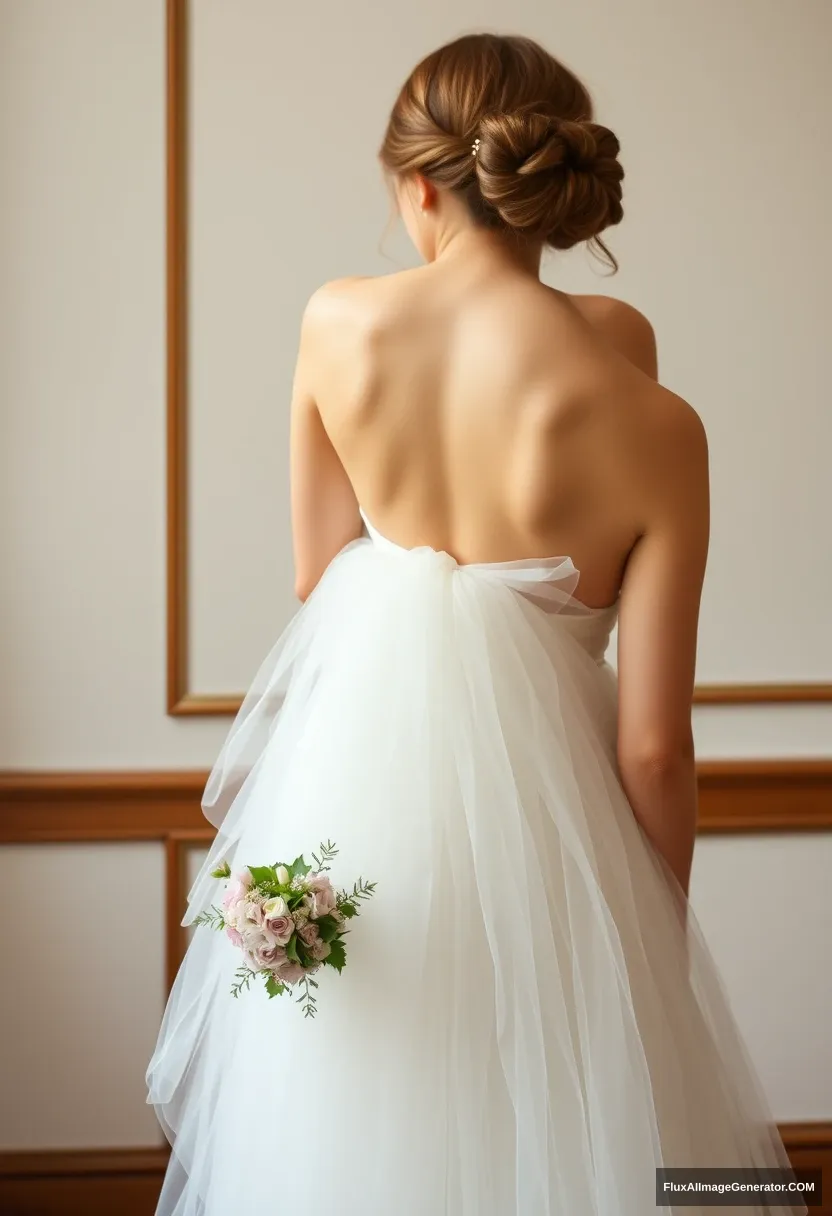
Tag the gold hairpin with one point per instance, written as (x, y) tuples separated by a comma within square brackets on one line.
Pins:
[(475, 147)]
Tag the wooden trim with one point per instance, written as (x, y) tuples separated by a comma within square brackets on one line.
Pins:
[(92, 1182), (211, 705), (228, 704), (807, 1137), (809, 1146), (177, 352), (101, 1182), (761, 694), (174, 906), (181, 702), (735, 796), (77, 807), (82, 806), (62, 1162), (804, 1137), (765, 795)]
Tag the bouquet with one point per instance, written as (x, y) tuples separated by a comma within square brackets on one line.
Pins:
[(288, 920)]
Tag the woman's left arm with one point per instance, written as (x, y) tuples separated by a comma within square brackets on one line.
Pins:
[(325, 514)]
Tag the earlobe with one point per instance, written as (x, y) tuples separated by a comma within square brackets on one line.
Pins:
[(427, 194)]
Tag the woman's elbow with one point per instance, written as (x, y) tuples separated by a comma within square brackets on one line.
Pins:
[(658, 762), (304, 586)]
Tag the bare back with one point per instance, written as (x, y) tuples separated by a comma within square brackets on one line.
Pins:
[(467, 407), (478, 411)]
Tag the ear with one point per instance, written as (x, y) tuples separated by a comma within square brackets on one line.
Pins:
[(426, 193)]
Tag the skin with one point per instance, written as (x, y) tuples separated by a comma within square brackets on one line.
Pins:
[(469, 407)]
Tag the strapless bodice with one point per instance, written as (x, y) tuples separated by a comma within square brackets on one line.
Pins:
[(547, 582)]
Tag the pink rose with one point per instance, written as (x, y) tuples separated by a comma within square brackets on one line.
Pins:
[(233, 935), (281, 928), (234, 892), (290, 972), (277, 920), (308, 933), (245, 878), (320, 950), (266, 956), (323, 896)]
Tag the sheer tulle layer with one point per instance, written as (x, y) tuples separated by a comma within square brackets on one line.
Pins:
[(525, 1026)]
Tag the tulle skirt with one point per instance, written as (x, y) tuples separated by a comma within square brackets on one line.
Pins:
[(529, 1022)]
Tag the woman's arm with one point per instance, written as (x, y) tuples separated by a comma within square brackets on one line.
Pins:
[(658, 622), (325, 514)]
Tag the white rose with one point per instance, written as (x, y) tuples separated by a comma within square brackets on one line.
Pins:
[(254, 937), (277, 920), (282, 875), (236, 915)]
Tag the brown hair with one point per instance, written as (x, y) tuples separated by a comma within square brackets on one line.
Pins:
[(543, 169)]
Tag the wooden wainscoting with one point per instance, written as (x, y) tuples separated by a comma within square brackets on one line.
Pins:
[(77, 807), (126, 1182), (96, 1182), (735, 796)]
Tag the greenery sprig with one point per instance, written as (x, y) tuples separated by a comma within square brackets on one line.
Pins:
[(289, 883)]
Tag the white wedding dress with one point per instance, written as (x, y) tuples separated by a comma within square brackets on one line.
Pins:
[(525, 1026)]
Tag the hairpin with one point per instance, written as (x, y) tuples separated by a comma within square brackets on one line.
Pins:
[(475, 147)]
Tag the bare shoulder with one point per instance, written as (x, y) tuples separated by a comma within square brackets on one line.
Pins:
[(331, 297), (356, 300), (624, 327), (678, 440), (609, 310)]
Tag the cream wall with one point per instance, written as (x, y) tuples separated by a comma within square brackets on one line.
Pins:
[(722, 111)]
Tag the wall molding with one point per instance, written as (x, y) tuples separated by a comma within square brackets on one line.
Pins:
[(82, 1182), (735, 796), (101, 1182), (180, 700), (762, 694), (765, 795)]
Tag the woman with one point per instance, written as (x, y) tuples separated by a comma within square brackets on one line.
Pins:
[(529, 1022)]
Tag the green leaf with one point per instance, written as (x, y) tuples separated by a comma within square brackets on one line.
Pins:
[(274, 987), (337, 956), (263, 875), (222, 871), (292, 948), (347, 909), (299, 867), (327, 927)]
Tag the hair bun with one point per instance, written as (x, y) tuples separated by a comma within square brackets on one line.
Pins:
[(553, 179)]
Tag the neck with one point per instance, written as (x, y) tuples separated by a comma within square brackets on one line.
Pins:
[(471, 241)]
